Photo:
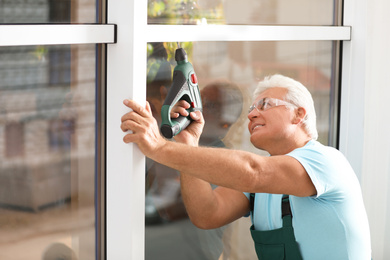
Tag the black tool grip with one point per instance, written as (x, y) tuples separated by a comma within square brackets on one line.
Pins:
[(167, 131)]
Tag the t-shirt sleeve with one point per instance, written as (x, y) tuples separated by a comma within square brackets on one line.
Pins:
[(320, 167)]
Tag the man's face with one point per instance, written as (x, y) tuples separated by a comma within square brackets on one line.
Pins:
[(270, 128)]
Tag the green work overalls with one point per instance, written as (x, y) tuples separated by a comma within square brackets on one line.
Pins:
[(277, 244)]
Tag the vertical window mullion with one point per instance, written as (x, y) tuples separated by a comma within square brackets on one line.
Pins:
[(125, 179)]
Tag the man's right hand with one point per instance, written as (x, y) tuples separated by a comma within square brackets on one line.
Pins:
[(192, 133)]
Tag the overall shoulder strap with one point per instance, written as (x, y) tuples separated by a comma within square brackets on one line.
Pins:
[(252, 202), (286, 209)]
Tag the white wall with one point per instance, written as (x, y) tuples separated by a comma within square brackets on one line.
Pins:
[(365, 115), (376, 153)]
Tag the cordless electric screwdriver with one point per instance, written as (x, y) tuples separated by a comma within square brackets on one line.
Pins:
[(184, 87)]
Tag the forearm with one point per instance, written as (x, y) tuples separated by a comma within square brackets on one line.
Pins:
[(199, 200), (211, 208), (236, 170)]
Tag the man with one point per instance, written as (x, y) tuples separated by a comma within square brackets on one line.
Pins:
[(323, 216)]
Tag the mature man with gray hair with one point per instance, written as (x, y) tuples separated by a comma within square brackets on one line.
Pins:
[(304, 199)]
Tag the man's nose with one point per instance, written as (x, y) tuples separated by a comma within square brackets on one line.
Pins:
[(253, 114)]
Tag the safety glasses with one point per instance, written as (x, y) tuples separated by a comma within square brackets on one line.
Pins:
[(268, 103)]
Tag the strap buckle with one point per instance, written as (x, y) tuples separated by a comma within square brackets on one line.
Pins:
[(286, 209)]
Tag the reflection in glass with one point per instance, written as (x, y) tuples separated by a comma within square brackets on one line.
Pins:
[(47, 11), (47, 152), (245, 12), (227, 73)]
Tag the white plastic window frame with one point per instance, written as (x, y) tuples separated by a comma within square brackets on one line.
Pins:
[(126, 73), (126, 76)]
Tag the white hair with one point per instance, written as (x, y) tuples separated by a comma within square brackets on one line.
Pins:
[(297, 94)]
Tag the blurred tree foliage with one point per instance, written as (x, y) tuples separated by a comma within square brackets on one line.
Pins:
[(154, 62), (182, 12)]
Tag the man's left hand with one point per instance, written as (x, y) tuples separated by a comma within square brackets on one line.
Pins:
[(144, 128)]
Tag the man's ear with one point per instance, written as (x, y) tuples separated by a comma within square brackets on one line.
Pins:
[(300, 114)]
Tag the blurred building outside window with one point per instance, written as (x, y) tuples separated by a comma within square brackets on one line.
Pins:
[(47, 138)]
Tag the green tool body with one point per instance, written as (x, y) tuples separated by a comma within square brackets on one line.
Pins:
[(184, 87)]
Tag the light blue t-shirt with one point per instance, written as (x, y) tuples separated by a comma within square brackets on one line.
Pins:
[(332, 225)]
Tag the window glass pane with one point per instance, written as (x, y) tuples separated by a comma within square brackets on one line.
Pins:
[(47, 11), (245, 12), (47, 152), (227, 73)]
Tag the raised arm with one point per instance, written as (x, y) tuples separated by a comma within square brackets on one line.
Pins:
[(236, 171)]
